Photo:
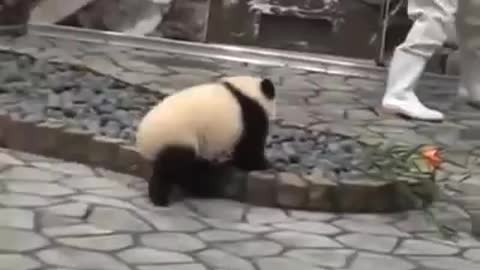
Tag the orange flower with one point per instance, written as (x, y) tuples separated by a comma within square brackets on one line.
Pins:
[(433, 156)]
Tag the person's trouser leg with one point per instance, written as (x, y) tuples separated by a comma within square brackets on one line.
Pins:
[(428, 33)]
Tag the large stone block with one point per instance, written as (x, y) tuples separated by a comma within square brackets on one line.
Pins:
[(53, 11), (46, 138), (14, 16), (261, 188), (138, 17), (21, 134), (103, 151), (292, 191), (74, 144), (4, 125), (131, 162), (186, 20)]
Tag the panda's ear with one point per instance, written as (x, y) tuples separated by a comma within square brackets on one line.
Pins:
[(268, 89)]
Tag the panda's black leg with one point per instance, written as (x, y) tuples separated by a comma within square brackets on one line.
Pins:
[(159, 187), (202, 182), (172, 167), (159, 192), (249, 161), (249, 154)]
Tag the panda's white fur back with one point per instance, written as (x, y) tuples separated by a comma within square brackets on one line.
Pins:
[(205, 117)]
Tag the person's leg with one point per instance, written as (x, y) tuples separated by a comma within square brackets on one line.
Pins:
[(468, 32), (428, 33)]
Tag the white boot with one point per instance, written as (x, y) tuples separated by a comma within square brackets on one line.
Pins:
[(404, 72)]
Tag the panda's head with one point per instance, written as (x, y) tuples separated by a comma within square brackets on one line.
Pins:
[(259, 89)]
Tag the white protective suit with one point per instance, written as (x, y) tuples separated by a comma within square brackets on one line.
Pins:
[(468, 29), (434, 24)]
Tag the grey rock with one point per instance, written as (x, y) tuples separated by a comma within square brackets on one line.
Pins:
[(42, 189), (111, 129), (223, 235), (463, 239), (117, 192), (219, 259), (377, 218), (54, 101), (90, 182), (313, 216), (124, 179), (222, 209), (101, 243), (103, 201), (368, 261), (29, 173), (303, 240), (396, 122), (423, 247), (190, 266), (470, 202), (376, 243), (101, 63), (48, 220), (75, 209), (18, 241), (253, 248), (416, 221), (171, 223), (117, 220), (282, 263), (264, 215), (308, 227), (69, 257), (368, 227), (16, 218), (140, 255), (20, 200), (334, 258), (237, 226), (472, 254), (446, 263), (81, 229), (172, 241), (70, 168), (329, 97), (17, 262), (360, 115)]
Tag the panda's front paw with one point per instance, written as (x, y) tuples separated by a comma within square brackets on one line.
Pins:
[(161, 202)]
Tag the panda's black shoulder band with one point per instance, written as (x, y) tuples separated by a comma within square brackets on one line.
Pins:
[(230, 87)]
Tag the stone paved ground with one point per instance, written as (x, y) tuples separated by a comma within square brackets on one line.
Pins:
[(56, 214)]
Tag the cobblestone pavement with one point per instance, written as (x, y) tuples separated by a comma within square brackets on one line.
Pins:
[(55, 214)]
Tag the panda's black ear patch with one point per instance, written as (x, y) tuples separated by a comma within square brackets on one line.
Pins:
[(267, 88)]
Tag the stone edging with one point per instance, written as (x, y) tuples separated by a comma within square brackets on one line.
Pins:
[(286, 190)]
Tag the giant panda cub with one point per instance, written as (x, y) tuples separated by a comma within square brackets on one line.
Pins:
[(184, 134)]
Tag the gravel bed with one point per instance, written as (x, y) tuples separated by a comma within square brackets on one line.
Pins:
[(37, 90)]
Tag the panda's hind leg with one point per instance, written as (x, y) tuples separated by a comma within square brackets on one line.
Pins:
[(250, 160), (173, 166), (202, 182)]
